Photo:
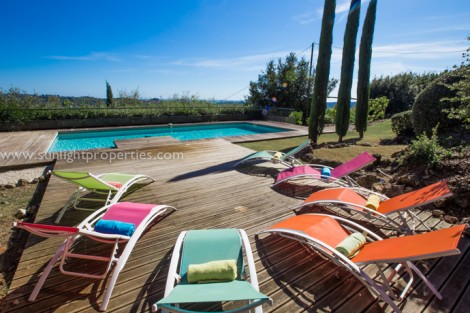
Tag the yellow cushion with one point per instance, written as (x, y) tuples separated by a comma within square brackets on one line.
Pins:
[(214, 271), (373, 202)]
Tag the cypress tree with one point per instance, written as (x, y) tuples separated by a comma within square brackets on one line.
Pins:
[(365, 56), (109, 95), (347, 70), (322, 72)]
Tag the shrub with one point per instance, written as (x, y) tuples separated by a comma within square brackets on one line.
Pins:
[(297, 116), (377, 108), (330, 115), (429, 110), (425, 150), (402, 123)]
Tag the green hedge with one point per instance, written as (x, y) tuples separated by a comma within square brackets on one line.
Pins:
[(24, 115)]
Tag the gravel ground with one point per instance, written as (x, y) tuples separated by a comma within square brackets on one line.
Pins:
[(12, 177)]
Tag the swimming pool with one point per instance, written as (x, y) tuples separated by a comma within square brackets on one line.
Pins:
[(99, 139)]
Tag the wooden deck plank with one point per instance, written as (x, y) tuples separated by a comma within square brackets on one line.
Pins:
[(209, 193)]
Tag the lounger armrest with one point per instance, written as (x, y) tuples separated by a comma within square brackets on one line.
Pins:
[(92, 233), (319, 166), (367, 192), (47, 231)]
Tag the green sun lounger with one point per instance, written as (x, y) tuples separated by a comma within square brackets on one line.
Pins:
[(112, 186), (286, 159), (202, 246)]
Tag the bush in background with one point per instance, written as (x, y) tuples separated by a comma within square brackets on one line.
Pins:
[(402, 124), (377, 108), (297, 116), (429, 110)]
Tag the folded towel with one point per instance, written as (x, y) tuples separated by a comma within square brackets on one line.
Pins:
[(351, 244), (277, 157), (325, 172), (214, 271), (114, 227), (116, 184), (373, 202)]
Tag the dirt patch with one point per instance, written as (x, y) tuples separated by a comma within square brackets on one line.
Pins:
[(21, 202), (389, 177)]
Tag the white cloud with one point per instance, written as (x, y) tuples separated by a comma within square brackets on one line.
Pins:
[(443, 17), (253, 62), (305, 18), (93, 56), (343, 6), (419, 50)]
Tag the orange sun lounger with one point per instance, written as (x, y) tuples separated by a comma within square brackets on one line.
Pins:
[(349, 199), (324, 233)]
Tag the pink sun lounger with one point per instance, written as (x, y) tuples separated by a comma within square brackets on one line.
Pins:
[(123, 223), (337, 175)]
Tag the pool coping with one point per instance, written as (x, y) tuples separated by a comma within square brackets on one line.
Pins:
[(30, 147)]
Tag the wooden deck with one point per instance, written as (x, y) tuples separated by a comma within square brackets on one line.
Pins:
[(209, 193), (27, 148)]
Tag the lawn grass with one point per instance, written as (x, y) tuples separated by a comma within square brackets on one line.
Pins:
[(374, 134)]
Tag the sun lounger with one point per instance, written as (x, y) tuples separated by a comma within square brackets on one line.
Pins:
[(400, 206), (326, 234), (196, 248), (338, 175), (286, 159), (116, 224), (111, 185)]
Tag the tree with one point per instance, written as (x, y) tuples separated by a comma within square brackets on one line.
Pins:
[(347, 70), (365, 57), (129, 98), (284, 84), (322, 72), (109, 95)]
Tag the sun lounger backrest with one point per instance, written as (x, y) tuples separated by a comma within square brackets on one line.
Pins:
[(352, 165), (290, 153), (201, 246), (322, 228), (433, 244), (86, 180), (128, 212), (297, 171), (416, 198)]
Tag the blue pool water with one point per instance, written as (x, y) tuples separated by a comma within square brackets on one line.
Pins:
[(98, 139)]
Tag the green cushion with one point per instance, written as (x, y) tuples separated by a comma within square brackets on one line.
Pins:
[(351, 244)]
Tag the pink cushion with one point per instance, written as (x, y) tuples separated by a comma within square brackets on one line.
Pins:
[(128, 212), (116, 184)]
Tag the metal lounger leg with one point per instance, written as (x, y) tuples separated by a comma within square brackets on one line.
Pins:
[(46, 272)]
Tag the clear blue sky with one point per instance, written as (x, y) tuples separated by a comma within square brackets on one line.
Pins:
[(211, 48)]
